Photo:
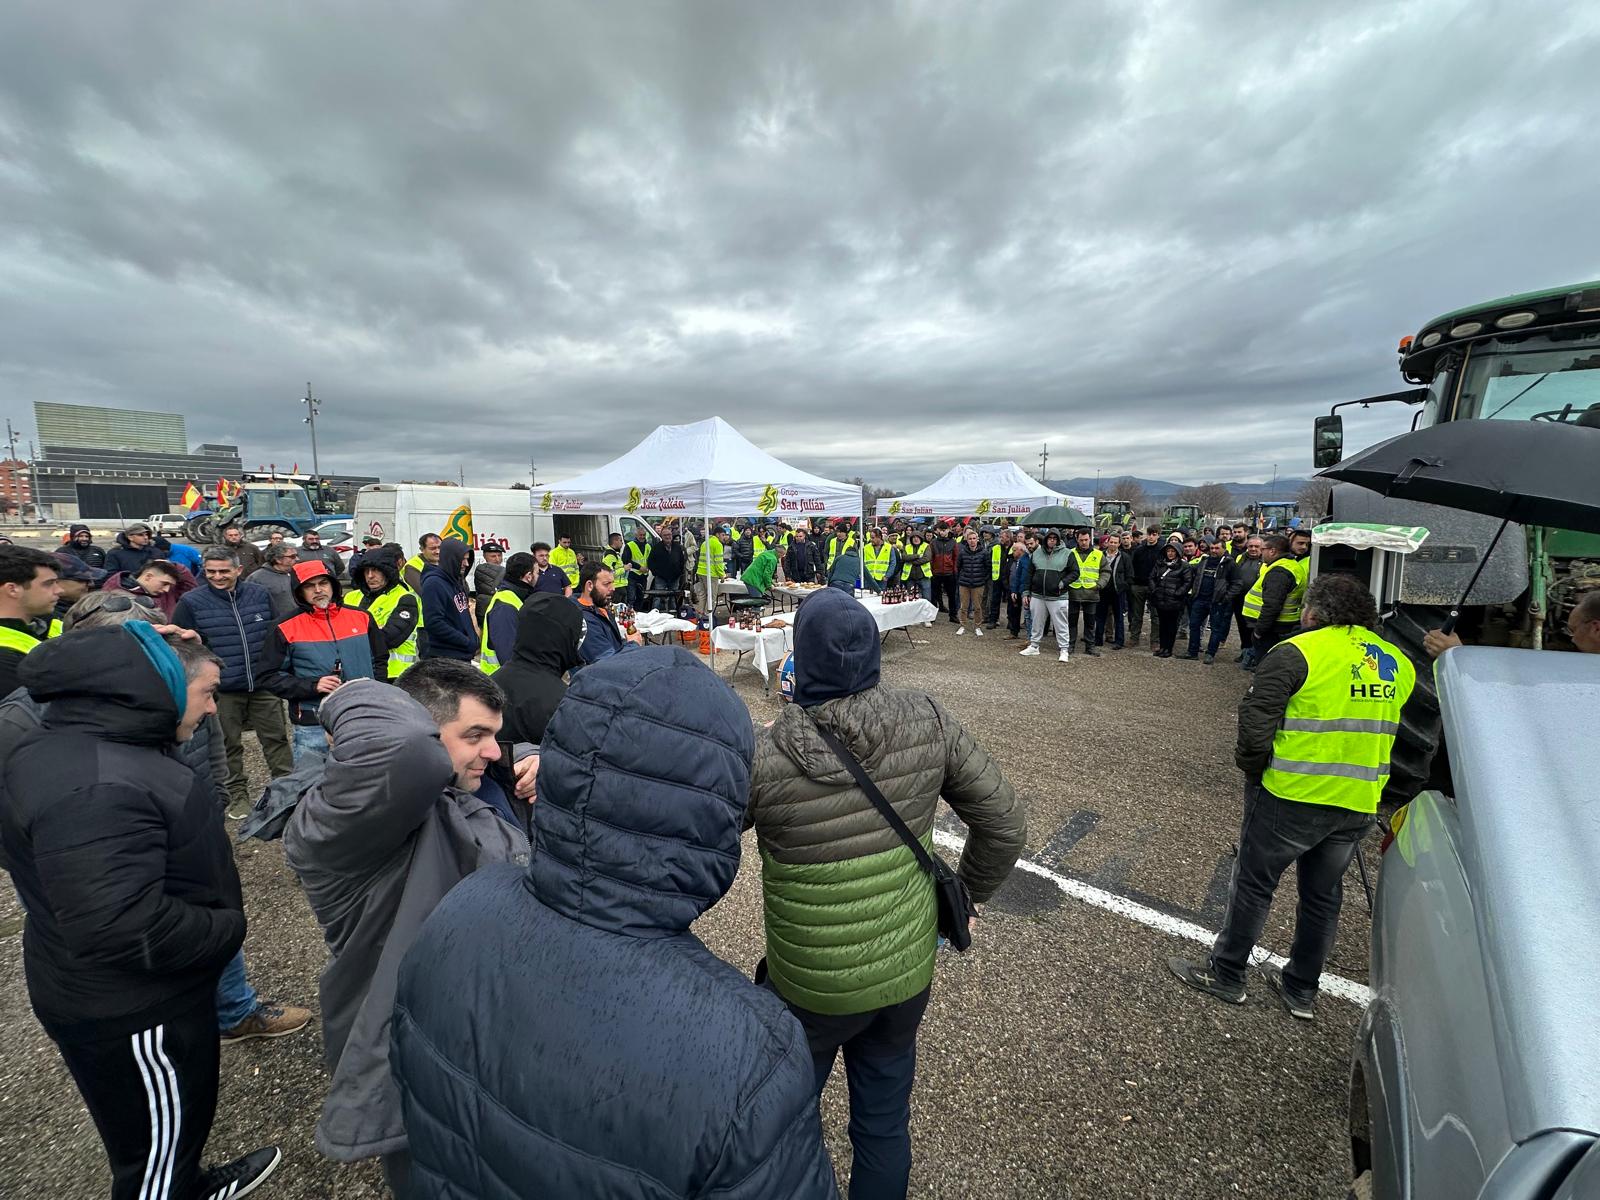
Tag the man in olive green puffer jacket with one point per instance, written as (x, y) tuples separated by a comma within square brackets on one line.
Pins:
[(850, 916)]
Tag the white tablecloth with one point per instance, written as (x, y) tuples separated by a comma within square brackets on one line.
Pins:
[(656, 624), (898, 616), (763, 650)]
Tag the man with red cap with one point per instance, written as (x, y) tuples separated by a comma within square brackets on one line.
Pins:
[(315, 649)]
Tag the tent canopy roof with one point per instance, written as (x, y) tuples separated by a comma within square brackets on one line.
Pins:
[(983, 489), (708, 466)]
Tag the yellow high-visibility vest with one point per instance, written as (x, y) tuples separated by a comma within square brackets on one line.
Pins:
[(488, 660), (567, 560), (1338, 730), (1299, 569), (15, 639), (1088, 569), (835, 549), (638, 553), (877, 560), (382, 608), (711, 556)]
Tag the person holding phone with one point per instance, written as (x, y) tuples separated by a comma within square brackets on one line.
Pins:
[(308, 655)]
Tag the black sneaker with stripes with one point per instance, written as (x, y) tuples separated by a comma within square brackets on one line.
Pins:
[(240, 1177)]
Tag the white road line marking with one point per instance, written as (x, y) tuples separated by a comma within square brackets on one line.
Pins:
[(1332, 985)]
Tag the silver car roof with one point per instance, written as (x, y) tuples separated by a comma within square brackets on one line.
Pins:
[(1522, 730)]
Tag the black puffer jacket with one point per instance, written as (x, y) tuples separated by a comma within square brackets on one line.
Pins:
[(549, 631), (1171, 582), (124, 557), (116, 848), (560, 1031)]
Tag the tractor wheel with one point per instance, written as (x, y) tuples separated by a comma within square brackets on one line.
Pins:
[(1411, 760), (201, 530)]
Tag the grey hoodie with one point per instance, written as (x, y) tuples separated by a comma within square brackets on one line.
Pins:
[(376, 845)]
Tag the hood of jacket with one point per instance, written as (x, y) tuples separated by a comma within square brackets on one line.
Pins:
[(549, 631), (383, 560), (644, 777), (837, 651), (452, 556), (122, 683)]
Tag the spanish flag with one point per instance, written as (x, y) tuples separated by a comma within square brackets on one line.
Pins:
[(191, 498)]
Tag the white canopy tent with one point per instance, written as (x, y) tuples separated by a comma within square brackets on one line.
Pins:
[(997, 489), (705, 469)]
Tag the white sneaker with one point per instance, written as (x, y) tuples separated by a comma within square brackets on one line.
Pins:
[(1064, 657), (978, 631), (1029, 652), (960, 630)]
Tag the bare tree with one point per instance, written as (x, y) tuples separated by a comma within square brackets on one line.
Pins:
[(1313, 497), (872, 494), (1213, 499), (1130, 490)]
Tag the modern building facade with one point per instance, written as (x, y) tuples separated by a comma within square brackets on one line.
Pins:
[(119, 464)]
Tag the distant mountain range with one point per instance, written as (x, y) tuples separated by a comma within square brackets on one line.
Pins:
[(1162, 490)]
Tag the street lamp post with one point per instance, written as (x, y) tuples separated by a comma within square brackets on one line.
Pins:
[(312, 404)]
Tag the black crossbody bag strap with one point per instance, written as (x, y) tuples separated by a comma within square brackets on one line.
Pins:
[(879, 802)]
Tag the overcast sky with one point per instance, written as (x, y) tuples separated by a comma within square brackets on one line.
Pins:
[(878, 238)]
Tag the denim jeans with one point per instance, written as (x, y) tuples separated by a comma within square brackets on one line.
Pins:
[(880, 1063), (236, 999), (1200, 609), (1111, 603), (308, 739), (925, 586), (1320, 840)]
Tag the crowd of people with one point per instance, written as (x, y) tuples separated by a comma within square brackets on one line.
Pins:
[(499, 968)]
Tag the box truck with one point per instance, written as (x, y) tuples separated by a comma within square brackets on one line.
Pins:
[(403, 512)]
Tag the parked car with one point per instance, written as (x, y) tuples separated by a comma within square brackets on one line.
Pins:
[(1477, 1065), (167, 524), (335, 535)]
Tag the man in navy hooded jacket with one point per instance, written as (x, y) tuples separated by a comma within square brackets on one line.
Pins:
[(558, 1029), (447, 607)]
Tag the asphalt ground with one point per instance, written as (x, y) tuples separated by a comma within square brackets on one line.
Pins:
[(1058, 1059)]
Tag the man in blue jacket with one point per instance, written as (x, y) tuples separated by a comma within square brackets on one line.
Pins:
[(446, 606), (233, 619), (558, 1030), (601, 636)]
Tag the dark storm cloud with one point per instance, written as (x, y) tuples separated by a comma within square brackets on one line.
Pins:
[(878, 238)]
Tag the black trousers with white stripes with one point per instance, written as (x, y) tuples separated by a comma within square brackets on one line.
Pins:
[(152, 1095)]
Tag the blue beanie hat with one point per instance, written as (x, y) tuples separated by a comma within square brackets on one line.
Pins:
[(164, 659)]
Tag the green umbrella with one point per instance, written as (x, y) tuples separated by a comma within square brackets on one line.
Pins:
[(1057, 514)]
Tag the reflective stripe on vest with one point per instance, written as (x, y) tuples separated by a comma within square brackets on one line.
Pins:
[(55, 628), (834, 549), (490, 661), (711, 552), (996, 556), (380, 610), (612, 562), (1088, 569), (1299, 569), (1338, 730), (877, 561), (15, 639), (567, 560)]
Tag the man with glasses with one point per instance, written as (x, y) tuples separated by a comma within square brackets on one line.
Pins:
[(233, 619)]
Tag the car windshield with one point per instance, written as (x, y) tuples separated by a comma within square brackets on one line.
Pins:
[(1548, 384)]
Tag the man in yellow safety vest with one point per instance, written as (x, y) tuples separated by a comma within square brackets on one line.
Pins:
[(393, 607), (709, 571), (636, 556), (499, 637), (1083, 593), (28, 590), (1273, 602), (878, 560), (565, 557), (843, 539), (1315, 734)]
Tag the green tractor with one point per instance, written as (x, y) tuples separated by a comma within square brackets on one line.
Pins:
[(1533, 357), (1181, 516), (1113, 514)]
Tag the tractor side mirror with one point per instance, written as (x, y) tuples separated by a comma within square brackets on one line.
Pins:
[(1327, 440)]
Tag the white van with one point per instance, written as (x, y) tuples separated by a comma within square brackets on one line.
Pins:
[(403, 512)]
